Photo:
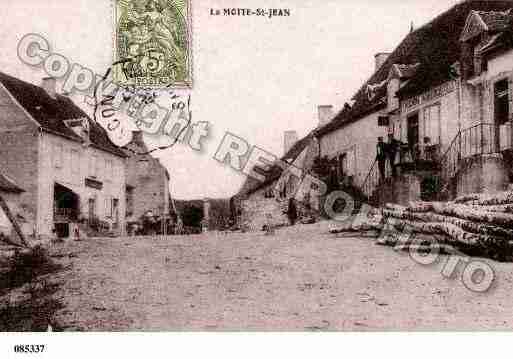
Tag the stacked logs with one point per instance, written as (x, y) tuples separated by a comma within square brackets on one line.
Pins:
[(476, 224)]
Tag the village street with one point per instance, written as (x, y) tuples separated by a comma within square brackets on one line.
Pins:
[(302, 278)]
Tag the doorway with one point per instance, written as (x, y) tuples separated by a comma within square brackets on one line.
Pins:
[(66, 209), (412, 123), (501, 115)]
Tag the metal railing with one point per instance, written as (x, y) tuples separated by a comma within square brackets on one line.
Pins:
[(482, 139), (477, 140), (374, 178)]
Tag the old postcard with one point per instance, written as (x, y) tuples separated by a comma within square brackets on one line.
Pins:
[(187, 165)]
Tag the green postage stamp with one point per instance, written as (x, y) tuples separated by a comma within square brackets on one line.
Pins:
[(153, 43)]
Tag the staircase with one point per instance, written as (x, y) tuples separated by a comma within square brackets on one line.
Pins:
[(469, 144), (377, 190)]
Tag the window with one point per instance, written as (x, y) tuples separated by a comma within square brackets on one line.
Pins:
[(108, 207), (109, 172), (432, 124), (144, 166), (342, 167), (75, 163), (93, 169), (269, 193), (413, 134), (501, 100), (66, 154), (57, 155), (383, 121), (501, 105), (115, 210), (99, 169), (413, 129), (92, 208), (129, 201)]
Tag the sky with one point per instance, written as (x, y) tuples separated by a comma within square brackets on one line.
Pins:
[(254, 77)]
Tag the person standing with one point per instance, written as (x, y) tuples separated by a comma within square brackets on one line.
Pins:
[(381, 157), (392, 149), (292, 211)]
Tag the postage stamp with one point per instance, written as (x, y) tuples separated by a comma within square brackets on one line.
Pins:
[(153, 43)]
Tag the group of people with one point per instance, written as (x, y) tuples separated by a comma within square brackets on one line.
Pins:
[(387, 152)]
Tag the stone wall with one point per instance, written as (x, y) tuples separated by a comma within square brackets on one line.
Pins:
[(482, 174), (256, 207)]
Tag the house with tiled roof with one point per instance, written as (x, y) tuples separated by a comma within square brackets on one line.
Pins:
[(147, 182), (71, 172), (263, 202), (443, 97)]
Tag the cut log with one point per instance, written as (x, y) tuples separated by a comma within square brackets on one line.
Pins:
[(471, 214), (504, 208), (395, 207), (351, 228), (485, 199), (469, 226), (420, 207), (453, 233)]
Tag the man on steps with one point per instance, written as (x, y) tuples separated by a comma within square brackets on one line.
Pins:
[(381, 156)]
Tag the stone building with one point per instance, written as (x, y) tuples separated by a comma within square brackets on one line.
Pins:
[(445, 93), (147, 182), (68, 167), (259, 203)]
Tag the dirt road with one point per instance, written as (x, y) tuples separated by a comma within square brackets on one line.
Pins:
[(299, 279)]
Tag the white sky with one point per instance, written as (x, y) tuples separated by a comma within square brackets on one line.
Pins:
[(255, 77)]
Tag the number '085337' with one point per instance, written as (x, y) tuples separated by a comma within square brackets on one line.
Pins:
[(29, 348)]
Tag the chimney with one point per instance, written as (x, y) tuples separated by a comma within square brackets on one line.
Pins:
[(380, 58), (289, 139), (49, 84), (325, 114)]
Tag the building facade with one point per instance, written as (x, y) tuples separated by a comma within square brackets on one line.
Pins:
[(71, 173), (147, 182), (443, 100)]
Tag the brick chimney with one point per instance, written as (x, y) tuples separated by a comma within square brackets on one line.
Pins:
[(289, 139), (380, 58), (325, 113), (49, 84)]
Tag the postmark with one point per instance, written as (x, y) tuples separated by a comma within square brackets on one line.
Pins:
[(155, 36)]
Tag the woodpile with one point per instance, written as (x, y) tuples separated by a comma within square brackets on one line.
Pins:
[(477, 224)]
